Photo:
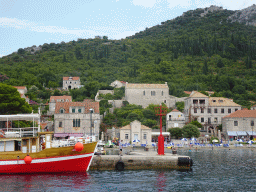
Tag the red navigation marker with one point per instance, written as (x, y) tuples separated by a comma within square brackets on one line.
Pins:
[(161, 111)]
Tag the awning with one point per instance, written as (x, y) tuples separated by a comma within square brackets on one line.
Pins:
[(158, 133), (27, 117), (241, 133), (251, 133), (68, 134), (237, 133)]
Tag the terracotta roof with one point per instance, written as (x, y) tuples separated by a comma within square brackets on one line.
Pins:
[(242, 113), (197, 94), (43, 125), (221, 101), (65, 97), (188, 92), (129, 127), (20, 87), (175, 110), (87, 106), (73, 78), (146, 86)]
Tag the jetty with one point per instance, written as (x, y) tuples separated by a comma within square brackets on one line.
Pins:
[(138, 160)]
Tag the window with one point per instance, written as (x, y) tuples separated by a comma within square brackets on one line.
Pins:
[(202, 110), (162, 93), (209, 110), (73, 110), (213, 101), (66, 82), (79, 110), (176, 124), (209, 120), (229, 110), (76, 122), (202, 101), (252, 123), (236, 109), (215, 119), (75, 82), (222, 110), (144, 136), (195, 110), (62, 111), (170, 116), (235, 123), (195, 101), (215, 110), (60, 124), (202, 120), (164, 101), (126, 136), (144, 93), (153, 93)]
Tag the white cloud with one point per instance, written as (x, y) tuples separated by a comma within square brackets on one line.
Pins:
[(144, 3), (1, 55), (24, 24), (180, 3)]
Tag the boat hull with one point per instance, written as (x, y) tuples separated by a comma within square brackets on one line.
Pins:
[(46, 162), (77, 163)]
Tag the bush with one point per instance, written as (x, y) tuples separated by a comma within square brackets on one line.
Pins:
[(176, 132)]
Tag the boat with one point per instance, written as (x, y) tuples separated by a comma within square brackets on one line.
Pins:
[(22, 150)]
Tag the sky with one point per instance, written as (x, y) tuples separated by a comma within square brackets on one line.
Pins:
[(24, 23)]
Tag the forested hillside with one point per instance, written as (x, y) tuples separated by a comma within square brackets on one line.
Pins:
[(190, 52)]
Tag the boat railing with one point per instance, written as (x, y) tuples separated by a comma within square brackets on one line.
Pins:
[(20, 132)]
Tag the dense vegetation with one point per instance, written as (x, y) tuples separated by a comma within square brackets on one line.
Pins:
[(190, 53)]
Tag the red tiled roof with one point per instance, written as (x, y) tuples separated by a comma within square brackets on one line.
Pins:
[(175, 110), (242, 113), (65, 97), (20, 87), (43, 125), (188, 92), (73, 78), (86, 105)]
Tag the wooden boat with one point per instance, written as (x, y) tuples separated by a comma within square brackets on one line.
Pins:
[(20, 154)]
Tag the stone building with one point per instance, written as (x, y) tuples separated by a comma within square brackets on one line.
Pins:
[(135, 131), (240, 124), (208, 111), (75, 118), (54, 100), (175, 119), (71, 83), (145, 94)]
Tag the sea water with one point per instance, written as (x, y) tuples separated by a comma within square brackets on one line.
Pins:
[(213, 170)]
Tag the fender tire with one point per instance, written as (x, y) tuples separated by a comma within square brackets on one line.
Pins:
[(119, 166)]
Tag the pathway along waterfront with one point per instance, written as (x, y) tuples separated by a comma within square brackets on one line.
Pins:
[(213, 170)]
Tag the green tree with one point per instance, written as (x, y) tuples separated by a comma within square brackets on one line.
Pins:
[(180, 106), (176, 132), (11, 102), (196, 123), (190, 130)]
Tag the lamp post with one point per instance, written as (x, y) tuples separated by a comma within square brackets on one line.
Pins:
[(91, 111)]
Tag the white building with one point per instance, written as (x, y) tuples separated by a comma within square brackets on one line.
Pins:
[(22, 90), (240, 124), (208, 111), (71, 83), (175, 119), (135, 131)]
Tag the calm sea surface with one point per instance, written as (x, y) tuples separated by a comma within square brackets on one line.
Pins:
[(217, 170)]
